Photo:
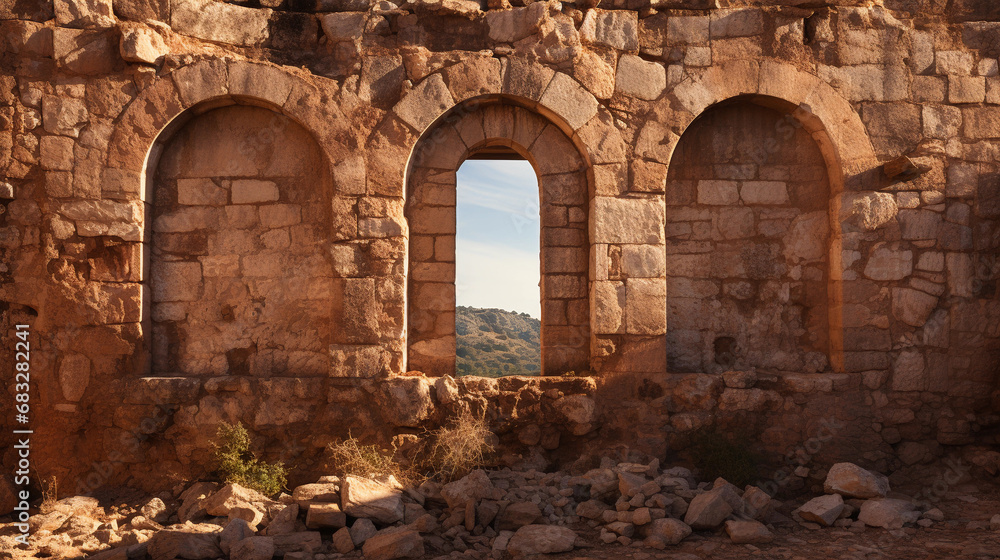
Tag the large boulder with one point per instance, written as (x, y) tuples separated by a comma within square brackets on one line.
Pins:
[(405, 543), (541, 539), (852, 481), (888, 513), (823, 510), (364, 497), (708, 510), (748, 532), (235, 531), (668, 530), (233, 496)]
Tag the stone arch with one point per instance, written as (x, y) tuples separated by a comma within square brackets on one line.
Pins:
[(285, 100), (821, 111), (165, 105), (564, 196)]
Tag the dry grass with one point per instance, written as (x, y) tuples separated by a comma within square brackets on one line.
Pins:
[(50, 493), (349, 457), (460, 447)]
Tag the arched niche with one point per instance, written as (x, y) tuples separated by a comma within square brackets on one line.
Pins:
[(497, 125), (238, 215), (753, 242)]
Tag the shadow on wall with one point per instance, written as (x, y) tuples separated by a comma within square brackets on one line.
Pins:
[(748, 244), (240, 281)]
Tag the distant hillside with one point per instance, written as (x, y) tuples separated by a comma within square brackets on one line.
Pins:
[(495, 343)]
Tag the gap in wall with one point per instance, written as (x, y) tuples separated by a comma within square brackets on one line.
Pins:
[(497, 271)]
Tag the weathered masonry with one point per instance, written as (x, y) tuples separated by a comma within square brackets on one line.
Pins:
[(218, 212)]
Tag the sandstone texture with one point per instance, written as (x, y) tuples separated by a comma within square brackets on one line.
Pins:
[(222, 211)]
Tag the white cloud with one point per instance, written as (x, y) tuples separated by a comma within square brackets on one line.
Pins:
[(494, 275), (505, 186)]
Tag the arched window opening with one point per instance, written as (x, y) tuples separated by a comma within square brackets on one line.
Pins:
[(497, 272)]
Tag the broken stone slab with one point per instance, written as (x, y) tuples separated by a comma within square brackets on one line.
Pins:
[(235, 531), (307, 494), (824, 510), (342, 541), (140, 44), (669, 530), (309, 541), (169, 543), (591, 509), (888, 513), (708, 510), (235, 496), (748, 532), (852, 481), (362, 530), (284, 521), (473, 486), (399, 543), (541, 539), (253, 548), (84, 13), (325, 516), (518, 515), (363, 497)]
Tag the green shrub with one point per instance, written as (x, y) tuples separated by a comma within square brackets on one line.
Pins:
[(237, 465), (718, 454)]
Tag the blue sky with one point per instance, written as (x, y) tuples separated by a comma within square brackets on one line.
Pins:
[(496, 249)]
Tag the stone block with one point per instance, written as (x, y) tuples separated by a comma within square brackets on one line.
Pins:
[(966, 89), (176, 281), (764, 192), (908, 373), (200, 192), (567, 98), (981, 122), (643, 261), (718, 192), (220, 22), (84, 13), (627, 220), (140, 44), (280, 215), (64, 116), (639, 78), (57, 153), (887, 263), (345, 26), (736, 23), (618, 29), (954, 63), (645, 306), (252, 191), (942, 122), (912, 307), (425, 103)]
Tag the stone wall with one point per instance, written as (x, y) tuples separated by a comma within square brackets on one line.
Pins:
[(748, 244), (215, 212)]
